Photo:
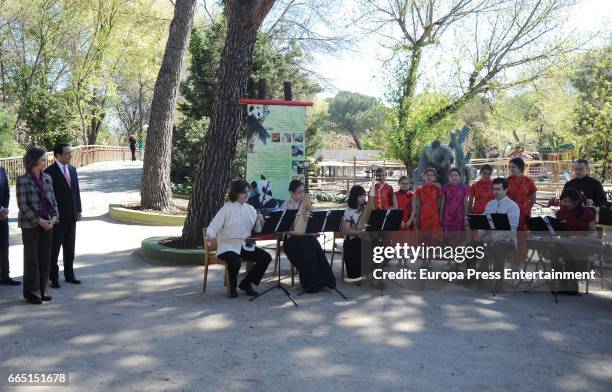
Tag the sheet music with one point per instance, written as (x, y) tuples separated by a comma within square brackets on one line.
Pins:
[(325, 220), (490, 220), (548, 225), (382, 227)]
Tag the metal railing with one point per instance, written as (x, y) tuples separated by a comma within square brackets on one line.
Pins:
[(81, 156)]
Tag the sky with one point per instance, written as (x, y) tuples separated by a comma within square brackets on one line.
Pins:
[(359, 70)]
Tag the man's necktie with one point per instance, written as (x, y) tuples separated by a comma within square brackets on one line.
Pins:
[(67, 177)]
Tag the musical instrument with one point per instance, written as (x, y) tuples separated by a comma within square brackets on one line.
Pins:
[(301, 219), (367, 211)]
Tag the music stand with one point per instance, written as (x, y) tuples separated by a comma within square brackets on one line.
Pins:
[(385, 220), (501, 221), (271, 221), (479, 222), (285, 224)]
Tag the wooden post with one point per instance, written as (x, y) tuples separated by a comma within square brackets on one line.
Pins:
[(354, 170), (251, 88), (287, 91), (262, 89)]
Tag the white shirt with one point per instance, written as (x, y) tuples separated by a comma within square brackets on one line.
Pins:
[(232, 225), (504, 206)]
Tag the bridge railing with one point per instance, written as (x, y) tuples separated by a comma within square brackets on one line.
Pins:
[(81, 156)]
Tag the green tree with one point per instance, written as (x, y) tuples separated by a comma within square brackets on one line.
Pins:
[(277, 65), (8, 146), (354, 114), (499, 44), (593, 81), (405, 143)]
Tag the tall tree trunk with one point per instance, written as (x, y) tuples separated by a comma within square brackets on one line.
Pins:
[(140, 103), (356, 140), (243, 21), (156, 191), (409, 87)]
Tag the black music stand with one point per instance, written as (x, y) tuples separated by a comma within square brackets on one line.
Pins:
[(497, 222), (284, 224), (385, 220), (479, 222)]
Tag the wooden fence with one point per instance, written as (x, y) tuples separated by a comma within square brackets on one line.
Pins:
[(81, 156)]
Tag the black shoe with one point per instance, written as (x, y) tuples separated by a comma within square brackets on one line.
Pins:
[(246, 287), (46, 298), (233, 293), (73, 281), (9, 282), (34, 301), (55, 284)]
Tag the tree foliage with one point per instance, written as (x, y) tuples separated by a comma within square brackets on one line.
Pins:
[(593, 80), (273, 64), (354, 114)]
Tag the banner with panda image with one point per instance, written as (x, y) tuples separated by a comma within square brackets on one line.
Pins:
[(276, 149)]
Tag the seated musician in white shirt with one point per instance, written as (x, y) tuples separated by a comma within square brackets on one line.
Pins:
[(232, 226), (502, 204), (503, 242)]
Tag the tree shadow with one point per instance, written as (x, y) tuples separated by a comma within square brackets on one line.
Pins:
[(140, 324)]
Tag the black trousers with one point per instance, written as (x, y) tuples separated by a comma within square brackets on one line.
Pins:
[(36, 259), (133, 151), (64, 235), (4, 249), (233, 260), (306, 254)]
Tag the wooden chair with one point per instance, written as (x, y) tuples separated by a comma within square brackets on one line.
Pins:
[(210, 257)]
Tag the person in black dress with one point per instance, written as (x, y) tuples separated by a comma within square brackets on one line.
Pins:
[(305, 252)]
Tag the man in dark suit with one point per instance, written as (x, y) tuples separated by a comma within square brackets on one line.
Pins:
[(68, 196), (4, 231)]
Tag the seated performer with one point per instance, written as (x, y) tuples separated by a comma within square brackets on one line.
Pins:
[(502, 243), (576, 216), (570, 256), (304, 251), (232, 226), (352, 240)]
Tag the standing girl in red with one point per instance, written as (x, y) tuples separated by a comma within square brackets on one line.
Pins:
[(522, 190), (426, 203), (481, 192), (402, 199)]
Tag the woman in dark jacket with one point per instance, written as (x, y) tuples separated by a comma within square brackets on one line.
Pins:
[(37, 215), (132, 140)]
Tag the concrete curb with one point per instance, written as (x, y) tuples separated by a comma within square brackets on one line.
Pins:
[(118, 212), (151, 247)]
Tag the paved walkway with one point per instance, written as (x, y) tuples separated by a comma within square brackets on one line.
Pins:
[(137, 324)]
